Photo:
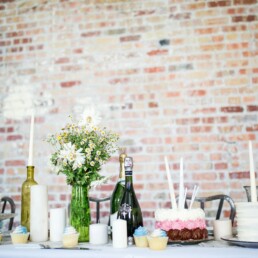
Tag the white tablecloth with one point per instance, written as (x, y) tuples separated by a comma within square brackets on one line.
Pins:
[(107, 251)]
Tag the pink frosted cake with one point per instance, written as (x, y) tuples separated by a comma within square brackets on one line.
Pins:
[(182, 224)]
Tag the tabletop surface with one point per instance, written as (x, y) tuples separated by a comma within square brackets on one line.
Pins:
[(204, 250)]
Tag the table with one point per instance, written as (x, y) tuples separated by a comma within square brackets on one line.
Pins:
[(107, 251)]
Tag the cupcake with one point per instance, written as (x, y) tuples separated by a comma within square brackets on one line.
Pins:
[(20, 235), (158, 240), (140, 237), (70, 237)]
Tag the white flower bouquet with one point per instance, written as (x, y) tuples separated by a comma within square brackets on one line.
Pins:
[(81, 148)]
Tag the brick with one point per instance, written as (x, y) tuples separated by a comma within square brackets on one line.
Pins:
[(219, 3), (6, 1), (154, 69), (69, 84), (252, 108), (180, 67), (243, 2), (130, 38), (16, 163), (204, 176), (90, 34), (14, 137), (248, 18), (232, 109), (153, 104), (239, 175), (197, 93), (221, 166), (252, 128), (180, 16), (201, 129), (158, 52)]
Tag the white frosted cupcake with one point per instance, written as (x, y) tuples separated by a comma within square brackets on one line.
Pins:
[(70, 237), (158, 240), (140, 237), (20, 235)]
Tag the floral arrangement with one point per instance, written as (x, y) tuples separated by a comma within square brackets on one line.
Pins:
[(81, 148)]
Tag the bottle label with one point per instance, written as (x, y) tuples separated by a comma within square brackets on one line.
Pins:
[(125, 210)]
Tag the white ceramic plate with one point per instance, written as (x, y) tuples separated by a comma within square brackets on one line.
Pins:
[(236, 241)]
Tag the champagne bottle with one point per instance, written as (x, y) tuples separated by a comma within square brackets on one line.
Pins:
[(129, 209), (118, 192), (25, 197)]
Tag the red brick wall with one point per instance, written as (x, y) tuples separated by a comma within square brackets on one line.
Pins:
[(172, 77)]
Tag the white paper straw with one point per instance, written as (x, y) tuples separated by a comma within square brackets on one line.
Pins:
[(185, 194), (181, 185), (195, 191), (252, 174), (170, 184)]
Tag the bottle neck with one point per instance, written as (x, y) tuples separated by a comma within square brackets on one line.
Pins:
[(128, 180), (30, 172), (122, 166), (122, 171)]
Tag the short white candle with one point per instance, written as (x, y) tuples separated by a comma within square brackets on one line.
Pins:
[(252, 174), (98, 234), (30, 159), (38, 213), (57, 223), (119, 233)]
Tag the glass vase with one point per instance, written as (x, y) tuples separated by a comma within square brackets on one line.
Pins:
[(25, 197), (80, 212)]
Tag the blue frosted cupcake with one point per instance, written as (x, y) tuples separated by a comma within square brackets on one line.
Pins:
[(20, 235), (140, 237)]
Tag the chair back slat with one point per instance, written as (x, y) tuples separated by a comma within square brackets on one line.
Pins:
[(7, 200), (221, 198)]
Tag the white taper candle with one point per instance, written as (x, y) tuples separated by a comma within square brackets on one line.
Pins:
[(30, 159), (170, 185), (252, 174)]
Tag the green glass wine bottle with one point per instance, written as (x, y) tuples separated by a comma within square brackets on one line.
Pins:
[(118, 192), (25, 197), (130, 209)]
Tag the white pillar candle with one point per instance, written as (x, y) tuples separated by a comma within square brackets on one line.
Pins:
[(119, 233), (252, 174), (38, 213), (57, 223), (30, 159), (222, 228), (98, 234)]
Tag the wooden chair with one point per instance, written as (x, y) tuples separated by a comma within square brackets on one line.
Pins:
[(8, 202), (221, 198), (98, 201)]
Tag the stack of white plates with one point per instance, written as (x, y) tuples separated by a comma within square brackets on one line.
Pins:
[(247, 221)]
